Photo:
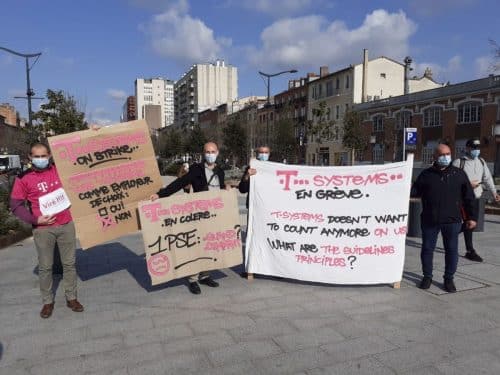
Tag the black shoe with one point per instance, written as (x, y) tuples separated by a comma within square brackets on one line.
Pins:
[(194, 288), (244, 275), (449, 286), (209, 282), (472, 255), (425, 283)]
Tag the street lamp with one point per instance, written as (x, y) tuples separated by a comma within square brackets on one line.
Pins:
[(268, 85), (373, 141), (29, 91)]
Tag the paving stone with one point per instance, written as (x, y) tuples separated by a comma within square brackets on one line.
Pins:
[(160, 334), (82, 348), (181, 363), (212, 325), (364, 366), (308, 339), (483, 363), (356, 348), (292, 362), (243, 351), (198, 343)]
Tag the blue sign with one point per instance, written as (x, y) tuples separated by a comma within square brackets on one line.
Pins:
[(411, 136)]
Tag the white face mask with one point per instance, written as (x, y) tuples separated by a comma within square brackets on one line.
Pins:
[(264, 156), (210, 158)]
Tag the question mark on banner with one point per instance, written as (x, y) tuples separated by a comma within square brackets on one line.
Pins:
[(238, 231), (352, 259)]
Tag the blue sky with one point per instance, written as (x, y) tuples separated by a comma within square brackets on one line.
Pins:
[(95, 49)]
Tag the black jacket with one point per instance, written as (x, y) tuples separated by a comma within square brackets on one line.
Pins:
[(444, 194), (196, 177), (244, 185)]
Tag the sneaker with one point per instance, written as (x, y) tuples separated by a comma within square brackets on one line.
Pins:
[(449, 286), (208, 281), (194, 288), (472, 255), (425, 283)]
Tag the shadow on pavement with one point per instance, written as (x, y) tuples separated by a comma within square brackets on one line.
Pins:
[(112, 257)]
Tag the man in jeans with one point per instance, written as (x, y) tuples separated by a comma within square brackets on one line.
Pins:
[(40, 186), (479, 175), (444, 190)]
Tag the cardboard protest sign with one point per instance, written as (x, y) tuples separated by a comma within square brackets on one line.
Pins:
[(105, 173), (189, 233), (344, 225)]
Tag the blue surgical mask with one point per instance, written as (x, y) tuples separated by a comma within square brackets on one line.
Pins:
[(40, 163), (444, 160), (264, 156), (210, 158), (475, 153)]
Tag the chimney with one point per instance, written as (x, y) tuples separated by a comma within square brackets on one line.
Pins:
[(407, 62), (365, 76), (323, 71)]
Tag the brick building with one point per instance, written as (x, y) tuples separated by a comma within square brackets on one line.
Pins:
[(451, 114), (8, 112)]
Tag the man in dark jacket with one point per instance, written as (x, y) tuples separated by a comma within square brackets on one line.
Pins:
[(446, 192), (202, 177), (263, 153)]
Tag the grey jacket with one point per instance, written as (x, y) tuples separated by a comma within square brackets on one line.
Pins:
[(477, 170)]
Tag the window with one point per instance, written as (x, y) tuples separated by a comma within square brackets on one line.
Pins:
[(469, 112), (347, 81), (320, 90), (337, 83), (346, 107), (460, 148), (427, 155), (337, 112), (382, 75), (329, 88), (378, 154), (403, 119), (433, 117), (378, 123)]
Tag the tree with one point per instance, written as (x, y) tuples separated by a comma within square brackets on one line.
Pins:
[(195, 141), (60, 115), (495, 49), (323, 128), (234, 139), (353, 137), (284, 145)]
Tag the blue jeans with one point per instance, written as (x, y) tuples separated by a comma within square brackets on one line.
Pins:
[(449, 232)]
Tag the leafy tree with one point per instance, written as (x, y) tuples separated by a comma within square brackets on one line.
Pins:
[(495, 49), (353, 137), (323, 129), (234, 139), (195, 141), (284, 145), (60, 115)]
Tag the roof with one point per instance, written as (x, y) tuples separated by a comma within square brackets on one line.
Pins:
[(478, 85)]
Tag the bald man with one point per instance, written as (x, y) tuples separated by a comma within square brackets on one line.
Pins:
[(447, 200), (202, 176)]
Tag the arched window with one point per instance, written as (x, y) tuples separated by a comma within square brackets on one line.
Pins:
[(433, 116), (403, 119), (378, 123), (469, 113)]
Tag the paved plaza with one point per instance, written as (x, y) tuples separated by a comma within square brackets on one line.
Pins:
[(267, 326)]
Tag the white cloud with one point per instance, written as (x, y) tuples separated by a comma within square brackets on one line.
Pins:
[(278, 7), (118, 95), (483, 65), (99, 116), (177, 35), (440, 73), (311, 41), (160, 5), (16, 92), (431, 8)]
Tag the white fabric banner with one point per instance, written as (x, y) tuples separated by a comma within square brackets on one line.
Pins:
[(341, 225)]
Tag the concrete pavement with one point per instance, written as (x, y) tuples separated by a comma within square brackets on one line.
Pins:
[(266, 326)]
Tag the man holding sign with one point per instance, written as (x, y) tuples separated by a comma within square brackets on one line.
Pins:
[(41, 187), (202, 177)]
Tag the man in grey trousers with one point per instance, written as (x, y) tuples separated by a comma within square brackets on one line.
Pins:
[(479, 175), (52, 223)]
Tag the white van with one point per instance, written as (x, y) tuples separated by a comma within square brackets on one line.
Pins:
[(10, 163)]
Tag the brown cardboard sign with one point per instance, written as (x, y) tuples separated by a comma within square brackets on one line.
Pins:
[(190, 233), (105, 173)]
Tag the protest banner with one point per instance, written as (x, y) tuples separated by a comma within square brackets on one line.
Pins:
[(104, 174), (342, 225), (189, 233)]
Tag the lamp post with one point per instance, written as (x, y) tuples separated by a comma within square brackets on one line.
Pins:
[(373, 141), (268, 85), (29, 91)]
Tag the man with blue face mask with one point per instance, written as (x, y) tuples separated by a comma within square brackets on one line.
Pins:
[(479, 175), (444, 190), (202, 176), (263, 153)]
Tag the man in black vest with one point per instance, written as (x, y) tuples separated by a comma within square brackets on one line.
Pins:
[(202, 176)]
